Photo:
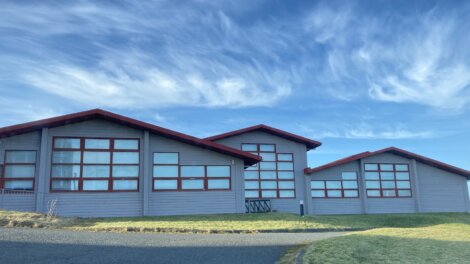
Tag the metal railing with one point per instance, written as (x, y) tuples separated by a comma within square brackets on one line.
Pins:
[(257, 206)]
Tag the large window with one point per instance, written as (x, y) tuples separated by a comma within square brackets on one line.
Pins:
[(273, 177), (19, 170), (345, 188), (95, 164), (387, 180), (169, 175)]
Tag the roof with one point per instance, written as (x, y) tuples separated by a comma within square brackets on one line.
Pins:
[(398, 152), (249, 159), (311, 144)]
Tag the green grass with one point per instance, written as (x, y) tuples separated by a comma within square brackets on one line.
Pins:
[(233, 222), (441, 243)]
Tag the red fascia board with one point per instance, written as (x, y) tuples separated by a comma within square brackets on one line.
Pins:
[(396, 151), (249, 159), (311, 144)]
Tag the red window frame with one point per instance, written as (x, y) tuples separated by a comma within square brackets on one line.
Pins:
[(179, 179), (395, 180), (276, 171), (4, 177), (82, 149), (342, 189)]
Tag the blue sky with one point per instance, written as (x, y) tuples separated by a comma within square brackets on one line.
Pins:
[(355, 75)]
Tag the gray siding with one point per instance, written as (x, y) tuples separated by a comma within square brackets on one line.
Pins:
[(28, 141), (282, 145), (321, 206), (89, 204), (196, 202), (441, 191)]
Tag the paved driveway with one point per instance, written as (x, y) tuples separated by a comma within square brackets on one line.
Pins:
[(56, 246)]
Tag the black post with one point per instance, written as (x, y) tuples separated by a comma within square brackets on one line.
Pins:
[(301, 207)]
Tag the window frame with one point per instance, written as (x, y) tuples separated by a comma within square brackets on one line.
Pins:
[(81, 165), (342, 189), (275, 170), (395, 180), (3, 179), (179, 179)]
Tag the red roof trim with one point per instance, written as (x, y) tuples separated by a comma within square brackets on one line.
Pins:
[(249, 159), (397, 151), (311, 144)]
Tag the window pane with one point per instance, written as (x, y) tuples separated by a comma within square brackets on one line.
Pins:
[(403, 175), (251, 185), (66, 171), (268, 175), (401, 167), (218, 184), (218, 171), (318, 194), (317, 184), (165, 184), (99, 171), (19, 185), (349, 175), (95, 157), (125, 185), (95, 185), (97, 143), (404, 193), (372, 184), (268, 185), (249, 147), (386, 167), (165, 158), (192, 184), (389, 193), (266, 147), (333, 184), (130, 144), (20, 156), (65, 185), (388, 184), (351, 193), (387, 176), (251, 175), (20, 171), (267, 165), (165, 171), (350, 184), (373, 193), (333, 193), (125, 171), (252, 168), (285, 166), (371, 167), (286, 185), (403, 185), (371, 175), (192, 171), (66, 157), (286, 194), (284, 157), (67, 143), (125, 158), (268, 156), (251, 194), (285, 174), (268, 194)]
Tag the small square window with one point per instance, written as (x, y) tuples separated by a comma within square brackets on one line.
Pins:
[(266, 148), (386, 167), (317, 184), (371, 167), (317, 194)]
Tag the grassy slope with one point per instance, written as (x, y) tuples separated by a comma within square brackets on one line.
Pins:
[(228, 222), (443, 243)]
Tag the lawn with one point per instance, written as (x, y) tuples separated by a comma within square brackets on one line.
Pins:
[(441, 243), (233, 222)]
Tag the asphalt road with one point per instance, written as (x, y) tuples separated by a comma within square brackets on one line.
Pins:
[(57, 246)]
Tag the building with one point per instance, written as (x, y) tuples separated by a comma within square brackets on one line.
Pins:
[(97, 164)]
